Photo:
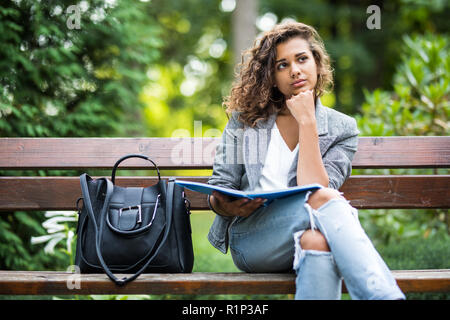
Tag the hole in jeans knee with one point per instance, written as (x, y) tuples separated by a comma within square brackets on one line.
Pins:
[(314, 241), (300, 252)]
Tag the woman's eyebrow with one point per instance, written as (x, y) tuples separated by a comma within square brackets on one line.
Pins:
[(297, 55)]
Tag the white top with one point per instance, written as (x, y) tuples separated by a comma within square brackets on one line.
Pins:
[(277, 163)]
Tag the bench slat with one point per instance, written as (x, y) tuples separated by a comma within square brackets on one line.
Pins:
[(76, 153), (55, 283), (364, 192), (51, 193)]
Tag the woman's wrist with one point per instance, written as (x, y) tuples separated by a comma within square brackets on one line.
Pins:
[(307, 120)]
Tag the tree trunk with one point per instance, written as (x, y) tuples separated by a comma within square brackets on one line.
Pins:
[(243, 26)]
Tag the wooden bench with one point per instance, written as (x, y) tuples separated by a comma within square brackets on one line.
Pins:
[(34, 193)]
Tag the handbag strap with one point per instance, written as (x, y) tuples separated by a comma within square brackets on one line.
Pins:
[(98, 229), (116, 165)]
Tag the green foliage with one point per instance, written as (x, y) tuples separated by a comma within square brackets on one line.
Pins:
[(59, 81), (64, 81), (390, 226), (16, 250), (60, 227), (413, 254), (191, 79), (418, 105)]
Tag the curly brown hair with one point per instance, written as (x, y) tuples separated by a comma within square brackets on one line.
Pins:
[(253, 94)]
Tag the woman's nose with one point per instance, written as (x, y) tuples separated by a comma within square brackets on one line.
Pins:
[(295, 70)]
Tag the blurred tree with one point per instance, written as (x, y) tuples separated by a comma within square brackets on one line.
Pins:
[(62, 77), (244, 26), (60, 80), (196, 67), (199, 60)]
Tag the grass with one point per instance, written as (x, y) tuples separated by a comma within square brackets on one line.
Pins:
[(208, 258)]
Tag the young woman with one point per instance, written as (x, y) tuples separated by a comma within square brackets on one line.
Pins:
[(280, 135)]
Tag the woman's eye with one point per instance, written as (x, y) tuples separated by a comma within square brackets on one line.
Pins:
[(281, 66), (301, 59)]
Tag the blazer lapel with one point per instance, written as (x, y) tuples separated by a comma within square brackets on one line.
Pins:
[(325, 140), (256, 142), (257, 139)]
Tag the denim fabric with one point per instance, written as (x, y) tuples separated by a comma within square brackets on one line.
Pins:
[(268, 241), (240, 156)]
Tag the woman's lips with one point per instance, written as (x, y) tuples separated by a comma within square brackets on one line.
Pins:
[(298, 83)]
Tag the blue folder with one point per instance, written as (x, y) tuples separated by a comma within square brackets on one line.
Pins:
[(269, 195)]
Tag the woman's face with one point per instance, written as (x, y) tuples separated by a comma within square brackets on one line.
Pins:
[(295, 67)]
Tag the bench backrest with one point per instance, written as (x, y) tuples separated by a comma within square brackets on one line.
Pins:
[(364, 191)]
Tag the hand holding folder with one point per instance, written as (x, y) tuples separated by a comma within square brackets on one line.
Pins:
[(269, 195)]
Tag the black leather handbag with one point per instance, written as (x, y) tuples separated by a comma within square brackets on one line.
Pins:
[(133, 230)]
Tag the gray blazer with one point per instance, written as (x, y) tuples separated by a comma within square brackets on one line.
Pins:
[(240, 156)]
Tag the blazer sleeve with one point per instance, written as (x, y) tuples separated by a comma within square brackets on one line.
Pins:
[(338, 158), (228, 166)]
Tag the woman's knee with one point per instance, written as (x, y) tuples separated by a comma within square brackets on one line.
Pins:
[(320, 197), (313, 241)]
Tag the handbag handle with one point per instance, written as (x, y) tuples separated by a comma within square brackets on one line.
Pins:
[(98, 229), (113, 175)]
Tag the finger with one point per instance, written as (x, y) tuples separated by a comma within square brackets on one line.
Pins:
[(219, 196), (253, 204), (217, 193), (305, 93), (251, 207), (242, 202), (236, 205)]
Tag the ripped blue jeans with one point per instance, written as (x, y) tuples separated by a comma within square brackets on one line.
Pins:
[(269, 241)]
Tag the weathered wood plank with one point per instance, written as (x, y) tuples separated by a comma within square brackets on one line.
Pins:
[(403, 152), (364, 192), (198, 153), (56, 283), (60, 193), (398, 191)]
